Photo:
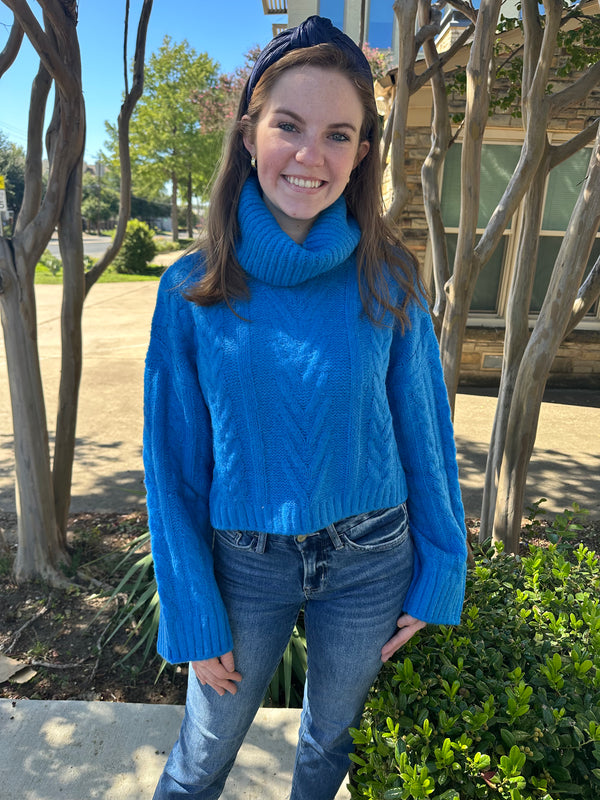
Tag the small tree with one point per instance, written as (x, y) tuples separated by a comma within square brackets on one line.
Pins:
[(43, 490), (167, 144), (527, 361)]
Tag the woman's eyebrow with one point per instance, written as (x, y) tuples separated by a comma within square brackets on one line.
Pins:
[(299, 118)]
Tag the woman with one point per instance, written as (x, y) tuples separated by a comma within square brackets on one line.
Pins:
[(296, 420)]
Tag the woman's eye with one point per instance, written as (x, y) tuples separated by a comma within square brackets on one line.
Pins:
[(340, 137), (287, 126)]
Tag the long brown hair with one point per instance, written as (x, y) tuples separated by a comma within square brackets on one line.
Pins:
[(380, 252)]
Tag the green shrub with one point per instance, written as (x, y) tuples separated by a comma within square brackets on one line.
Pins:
[(138, 248), (51, 263), (507, 705)]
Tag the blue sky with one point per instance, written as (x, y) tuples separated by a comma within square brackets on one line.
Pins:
[(225, 29)]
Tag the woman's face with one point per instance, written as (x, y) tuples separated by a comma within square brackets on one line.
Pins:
[(306, 144)]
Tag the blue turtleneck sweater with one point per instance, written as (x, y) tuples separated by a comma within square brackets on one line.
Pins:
[(293, 415)]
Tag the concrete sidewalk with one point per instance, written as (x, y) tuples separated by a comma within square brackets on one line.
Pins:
[(75, 750)]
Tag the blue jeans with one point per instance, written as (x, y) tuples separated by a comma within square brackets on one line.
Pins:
[(351, 578)]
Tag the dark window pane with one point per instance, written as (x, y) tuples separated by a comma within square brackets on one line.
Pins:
[(547, 252), (497, 165), (564, 185), (485, 296)]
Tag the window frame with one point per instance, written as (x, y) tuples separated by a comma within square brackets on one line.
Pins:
[(497, 318)]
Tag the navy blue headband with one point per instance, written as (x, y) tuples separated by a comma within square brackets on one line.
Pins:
[(314, 30)]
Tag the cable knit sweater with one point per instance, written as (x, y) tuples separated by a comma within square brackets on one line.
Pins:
[(295, 414)]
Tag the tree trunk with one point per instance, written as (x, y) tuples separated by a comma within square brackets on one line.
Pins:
[(406, 14), (39, 552), (190, 210), (441, 135), (71, 250), (459, 290), (515, 341), (543, 345), (174, 216)]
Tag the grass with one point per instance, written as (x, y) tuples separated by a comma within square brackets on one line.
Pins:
[(42, 276)]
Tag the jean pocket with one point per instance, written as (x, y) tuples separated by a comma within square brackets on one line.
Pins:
[(377, 531), (237, 540)]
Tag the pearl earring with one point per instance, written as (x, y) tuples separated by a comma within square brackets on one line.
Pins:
[(253, 162)]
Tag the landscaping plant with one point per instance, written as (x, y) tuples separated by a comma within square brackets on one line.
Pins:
[(138, 248), (507, 705)]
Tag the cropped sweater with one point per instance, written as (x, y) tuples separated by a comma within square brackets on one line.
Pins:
[(291, 414)]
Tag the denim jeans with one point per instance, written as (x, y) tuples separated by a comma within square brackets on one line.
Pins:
[(351, 578)]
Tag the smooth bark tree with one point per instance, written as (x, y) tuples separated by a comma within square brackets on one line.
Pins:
[(44, 484), (167, 141), (527, 357)]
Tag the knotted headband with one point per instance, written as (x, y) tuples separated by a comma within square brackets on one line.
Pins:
[(314, 30)]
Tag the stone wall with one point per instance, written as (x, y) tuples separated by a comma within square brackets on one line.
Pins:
[(577, 363)]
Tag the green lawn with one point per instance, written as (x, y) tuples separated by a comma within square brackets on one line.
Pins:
[(43, 275)]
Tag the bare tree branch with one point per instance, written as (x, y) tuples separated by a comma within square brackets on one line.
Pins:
[(42, 43), (64, 139), (405, 12), (576, 91), (12, 47), (465, 8), (32, 196), (441, 135), (421, 79), (535, 112), (586, 297), (561, 152), (123, 131), (125, 37)]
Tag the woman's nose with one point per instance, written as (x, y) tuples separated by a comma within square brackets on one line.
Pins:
[(310, 153)]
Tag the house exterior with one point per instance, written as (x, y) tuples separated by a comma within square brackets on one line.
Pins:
[(578, 360)]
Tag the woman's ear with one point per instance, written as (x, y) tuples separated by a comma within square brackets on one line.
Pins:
[(248, 143), (363, 149)]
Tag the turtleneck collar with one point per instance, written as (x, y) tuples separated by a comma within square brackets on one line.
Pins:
[(270, 255)]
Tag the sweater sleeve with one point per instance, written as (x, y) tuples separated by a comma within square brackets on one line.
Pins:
[(178, 464), (425, 439)]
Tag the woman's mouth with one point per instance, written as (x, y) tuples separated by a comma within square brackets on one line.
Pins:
[(303, 183)]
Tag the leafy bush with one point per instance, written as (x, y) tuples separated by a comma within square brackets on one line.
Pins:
[(138, 248), (507, 705), (51, 263)]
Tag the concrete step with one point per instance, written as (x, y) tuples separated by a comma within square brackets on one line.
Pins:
[(76, 750)]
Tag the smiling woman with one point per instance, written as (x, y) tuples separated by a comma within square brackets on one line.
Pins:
[(298, 451)]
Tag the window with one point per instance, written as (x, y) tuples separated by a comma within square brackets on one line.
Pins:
[(563, 187), (381, 23), (333, 10), (497, 165)]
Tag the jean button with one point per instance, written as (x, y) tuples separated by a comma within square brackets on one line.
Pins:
[(301, 538)]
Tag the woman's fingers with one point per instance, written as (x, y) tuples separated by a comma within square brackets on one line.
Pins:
[(218, 673), (408, 626)]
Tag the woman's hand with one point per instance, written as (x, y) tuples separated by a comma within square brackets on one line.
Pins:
[(219, 673), (408, 627)]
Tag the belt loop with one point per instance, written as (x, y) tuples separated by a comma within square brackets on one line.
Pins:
[(261, 543), (334, 536)]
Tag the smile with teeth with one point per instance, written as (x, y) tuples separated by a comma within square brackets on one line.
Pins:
[(303, 183)]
